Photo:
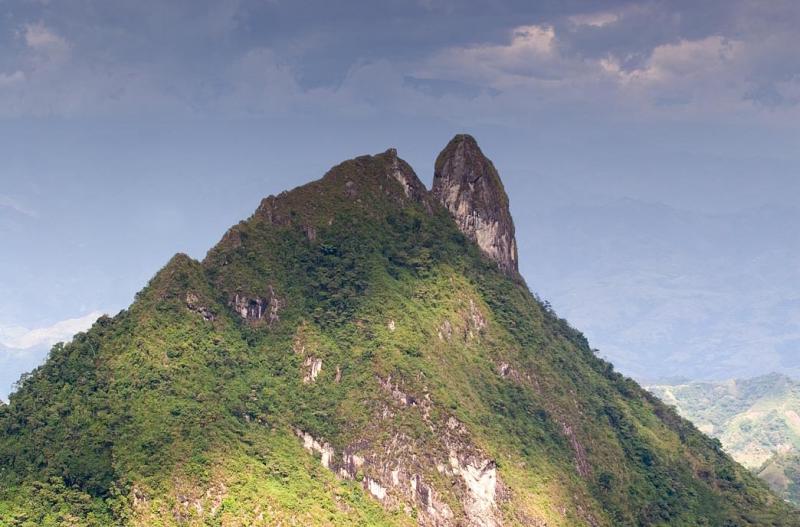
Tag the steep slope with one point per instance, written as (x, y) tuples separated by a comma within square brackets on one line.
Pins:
[(347, 356), (756, 420), (782, 474)]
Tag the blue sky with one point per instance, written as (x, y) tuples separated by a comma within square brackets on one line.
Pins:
[(650, 150)]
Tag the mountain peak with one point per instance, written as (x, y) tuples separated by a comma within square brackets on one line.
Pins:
[(343, 358), (404, 174), (466, 182)]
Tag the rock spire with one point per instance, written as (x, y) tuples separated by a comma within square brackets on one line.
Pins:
[(466, 182)]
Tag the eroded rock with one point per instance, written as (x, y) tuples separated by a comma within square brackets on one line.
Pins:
[(445, 330), (480, 478), (272, 212), (375, 488), (402, 172), (396, 469), (194, 304), (312, 367), (399, 395), (257, 308), (581, 461), (324, 449), (468, 185)]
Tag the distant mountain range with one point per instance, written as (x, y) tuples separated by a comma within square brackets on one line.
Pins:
[(666, 292), (757, 421)]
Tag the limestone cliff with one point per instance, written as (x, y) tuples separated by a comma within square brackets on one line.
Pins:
[(467, 183)]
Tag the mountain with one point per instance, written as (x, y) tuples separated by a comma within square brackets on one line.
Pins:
[(360, 351), (782, 474), (756, 420), (667, 292)]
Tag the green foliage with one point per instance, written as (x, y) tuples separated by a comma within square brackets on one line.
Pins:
[(52, 503), (162, 406), (753, 419)]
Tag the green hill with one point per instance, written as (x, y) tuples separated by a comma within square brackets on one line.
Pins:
[(756, 420), (360, 351)]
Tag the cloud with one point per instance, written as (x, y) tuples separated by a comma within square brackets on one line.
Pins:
[(47, 49), (549, 66), (259, 83), (594, 19), (9, 79), (529, 54), (17, 338), (39, 37), (701, 76), (679, 62), (7, 202), (625, 58)]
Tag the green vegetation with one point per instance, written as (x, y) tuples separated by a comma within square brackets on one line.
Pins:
[(178, 411), (756, 420)]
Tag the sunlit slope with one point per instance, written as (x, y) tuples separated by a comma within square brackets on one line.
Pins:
[(756, 420), (347, 356)]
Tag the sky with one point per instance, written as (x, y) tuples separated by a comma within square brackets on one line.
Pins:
[(650, 150)]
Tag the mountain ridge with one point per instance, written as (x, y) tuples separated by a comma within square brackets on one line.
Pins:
[(348, 356)]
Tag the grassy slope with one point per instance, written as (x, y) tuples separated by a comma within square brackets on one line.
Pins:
[(158, 417), (756, 420)]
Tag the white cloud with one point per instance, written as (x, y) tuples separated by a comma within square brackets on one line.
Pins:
[(20, 338), (687, 58), (689, 78), (532, 58), (39, 81), (538, 68), (530, 52), (538, 40), (41, 38), (594, 19)]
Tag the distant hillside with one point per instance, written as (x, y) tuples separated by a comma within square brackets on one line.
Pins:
[(756, 420), (675, 291)]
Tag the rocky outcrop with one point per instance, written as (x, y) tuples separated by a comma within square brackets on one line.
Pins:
[(257, 308), (402, 172), (270, 209), (312, 367), (402, 472), (194, 304), (468, 185)]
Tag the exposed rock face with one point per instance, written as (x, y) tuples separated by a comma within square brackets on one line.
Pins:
[(193, 303), (257, 308), (404, 174), (312, 367), (399, 471), (270, 209), (466, 182)]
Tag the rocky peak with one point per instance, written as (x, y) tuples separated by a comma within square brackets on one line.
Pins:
[(404, 174), (467, 183)]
